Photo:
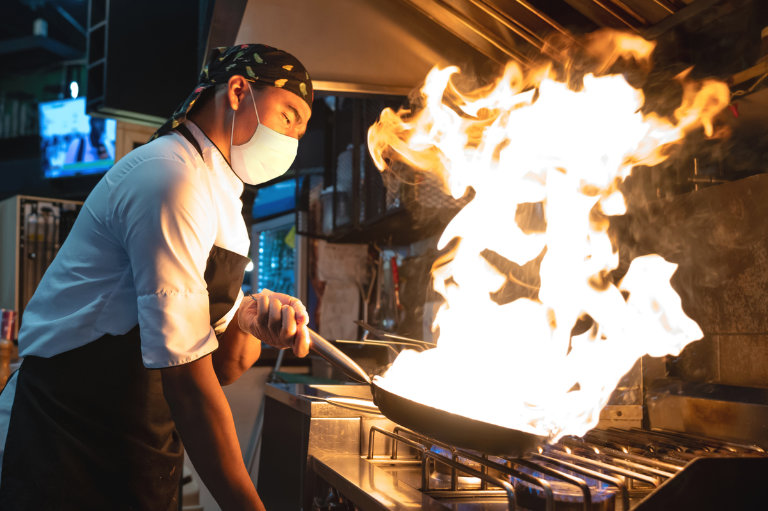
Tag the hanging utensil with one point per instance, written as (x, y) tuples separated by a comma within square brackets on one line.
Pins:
[(404, 340)]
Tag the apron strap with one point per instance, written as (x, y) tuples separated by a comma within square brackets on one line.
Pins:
[(188, 135)]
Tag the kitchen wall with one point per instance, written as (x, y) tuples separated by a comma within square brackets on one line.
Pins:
[(719, 237)]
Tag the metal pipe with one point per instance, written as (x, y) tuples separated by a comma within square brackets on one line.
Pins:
[(614, 481), (399, 430), (668, 467), (508, 22), (396, 438), (549, 21), (654, 481), (610, 11), (496, 481), (580, 483), (542, 483), (483, 33), (630, 11), (664, 6)]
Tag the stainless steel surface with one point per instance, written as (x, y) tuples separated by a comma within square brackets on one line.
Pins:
[(371, 488), (607, 469), (292, 395), (374, 464), (738, 414), (621, 416), (475, 33), (295, 426), (337, 358), (351, 403), (360, 88), (347, 44)]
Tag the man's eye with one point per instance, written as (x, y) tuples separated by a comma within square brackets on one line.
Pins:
[(287, 120)]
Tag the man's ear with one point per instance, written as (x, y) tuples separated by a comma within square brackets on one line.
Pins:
[(237, 88)]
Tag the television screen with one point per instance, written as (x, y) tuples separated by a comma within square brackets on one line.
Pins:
[(72, 142)]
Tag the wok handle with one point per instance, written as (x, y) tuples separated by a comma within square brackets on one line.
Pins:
[(337, 358)]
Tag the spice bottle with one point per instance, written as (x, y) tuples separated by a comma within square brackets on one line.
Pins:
[(763, 44), (6, 351), (7, 334)]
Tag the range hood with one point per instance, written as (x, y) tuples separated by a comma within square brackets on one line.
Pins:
[(388, 46)]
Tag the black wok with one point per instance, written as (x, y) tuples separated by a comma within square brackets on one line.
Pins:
[(438, 424)]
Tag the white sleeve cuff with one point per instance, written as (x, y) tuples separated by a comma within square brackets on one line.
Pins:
[(175, 328)]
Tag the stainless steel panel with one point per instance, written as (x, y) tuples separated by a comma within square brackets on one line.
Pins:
[(368, 45), (369, 486), (334, 436), (740, 421)]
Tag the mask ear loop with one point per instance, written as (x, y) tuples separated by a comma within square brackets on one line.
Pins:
[(232, 131), (254, 104)]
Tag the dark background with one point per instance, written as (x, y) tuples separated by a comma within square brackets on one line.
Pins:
[(154, 51)]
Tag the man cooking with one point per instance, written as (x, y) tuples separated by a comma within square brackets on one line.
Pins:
[(140, 318)]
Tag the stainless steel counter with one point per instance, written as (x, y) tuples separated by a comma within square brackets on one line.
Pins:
[(314, 446), (377, 487), (297, 427), (294, 395)]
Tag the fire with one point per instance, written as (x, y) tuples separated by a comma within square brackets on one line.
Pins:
[(529, 141)]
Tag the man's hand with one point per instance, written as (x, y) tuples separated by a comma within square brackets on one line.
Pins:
[(277, 319)]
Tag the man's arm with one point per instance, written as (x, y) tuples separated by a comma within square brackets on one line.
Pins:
[(205, 423), (236, 353)]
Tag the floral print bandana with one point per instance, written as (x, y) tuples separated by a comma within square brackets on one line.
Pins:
[(257, 63)]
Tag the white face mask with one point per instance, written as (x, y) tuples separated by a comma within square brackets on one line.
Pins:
[(267, 155)]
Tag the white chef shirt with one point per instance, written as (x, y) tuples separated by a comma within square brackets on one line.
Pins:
[(137, 254)]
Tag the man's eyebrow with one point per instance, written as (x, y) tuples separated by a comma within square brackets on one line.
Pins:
[(296, 114)]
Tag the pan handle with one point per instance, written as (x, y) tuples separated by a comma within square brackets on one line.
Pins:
[(337, 358)]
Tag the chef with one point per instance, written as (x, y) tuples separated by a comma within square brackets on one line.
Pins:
[(140, 318)]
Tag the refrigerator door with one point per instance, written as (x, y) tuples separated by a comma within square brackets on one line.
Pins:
[(277, 254)]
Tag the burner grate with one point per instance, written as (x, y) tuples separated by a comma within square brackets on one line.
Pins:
[(605, 470)]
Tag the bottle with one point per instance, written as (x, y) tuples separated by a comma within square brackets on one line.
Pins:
[(763, 45), (7, 333)]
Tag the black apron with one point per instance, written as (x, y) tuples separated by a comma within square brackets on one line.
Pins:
[(90, 428)]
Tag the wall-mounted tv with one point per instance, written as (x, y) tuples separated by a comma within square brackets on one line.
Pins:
[(72, 142)]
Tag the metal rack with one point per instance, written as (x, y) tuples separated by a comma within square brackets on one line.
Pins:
[(620, 466)]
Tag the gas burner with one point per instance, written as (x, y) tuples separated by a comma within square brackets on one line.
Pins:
[(604, 470), (568, 496)]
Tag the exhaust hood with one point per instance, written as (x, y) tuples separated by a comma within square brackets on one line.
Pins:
[(388, 46)]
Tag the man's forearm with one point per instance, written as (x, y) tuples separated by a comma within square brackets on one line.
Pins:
[(237, 352), (205, 423)]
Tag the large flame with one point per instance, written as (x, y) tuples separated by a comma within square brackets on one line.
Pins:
[(530, 141)]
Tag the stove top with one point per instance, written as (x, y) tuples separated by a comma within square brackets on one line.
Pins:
[(353, 460), (606, 470)]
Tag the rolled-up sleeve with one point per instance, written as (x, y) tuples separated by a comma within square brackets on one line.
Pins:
[(168, 233)]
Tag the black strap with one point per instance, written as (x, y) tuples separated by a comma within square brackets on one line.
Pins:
[(80, 150), (188, 135)]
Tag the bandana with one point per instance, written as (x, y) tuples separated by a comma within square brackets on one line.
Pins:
[(257, 63)]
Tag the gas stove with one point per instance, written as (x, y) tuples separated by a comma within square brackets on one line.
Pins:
[(607, 469), (348, 459)]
